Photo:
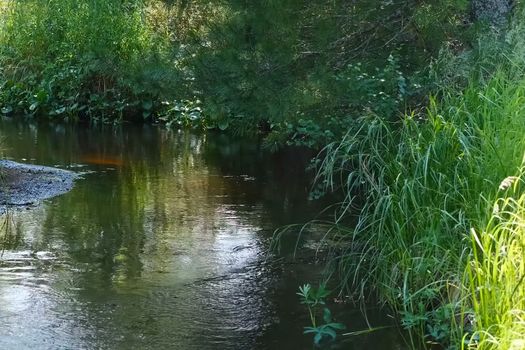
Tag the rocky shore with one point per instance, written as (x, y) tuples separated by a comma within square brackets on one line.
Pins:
[(26, 185)]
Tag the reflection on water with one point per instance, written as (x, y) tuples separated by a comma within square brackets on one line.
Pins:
[(162, 244)]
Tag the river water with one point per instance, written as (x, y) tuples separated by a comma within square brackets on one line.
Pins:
[(163, 244)]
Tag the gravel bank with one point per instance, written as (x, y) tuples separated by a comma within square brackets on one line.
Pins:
[(26, 185)]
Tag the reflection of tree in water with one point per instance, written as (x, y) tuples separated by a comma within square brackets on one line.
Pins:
[(172, 233), (281, 178), (103, 219), (167, 181), (102, 226), (11, 234), (165, 187)]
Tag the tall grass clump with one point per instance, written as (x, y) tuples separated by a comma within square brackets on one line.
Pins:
[(424, 188), (495, 275)]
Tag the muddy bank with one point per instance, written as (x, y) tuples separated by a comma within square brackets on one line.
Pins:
[(26, 185)]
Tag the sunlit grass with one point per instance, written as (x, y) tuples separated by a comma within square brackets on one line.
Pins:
[(495, 277), (425, 189), (4, 8), (100, 60), (4, 4)]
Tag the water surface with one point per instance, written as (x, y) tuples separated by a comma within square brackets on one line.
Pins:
[(163, 244)]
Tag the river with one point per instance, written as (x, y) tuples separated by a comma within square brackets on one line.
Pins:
[(162, 244)]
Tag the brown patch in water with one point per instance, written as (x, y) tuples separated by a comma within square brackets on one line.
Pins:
[(102, 160)]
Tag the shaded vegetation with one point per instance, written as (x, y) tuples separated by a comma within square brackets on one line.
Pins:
[(419, 102), (301, 73), (438, 233)]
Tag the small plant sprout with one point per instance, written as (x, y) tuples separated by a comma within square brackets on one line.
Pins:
[(314, 299)]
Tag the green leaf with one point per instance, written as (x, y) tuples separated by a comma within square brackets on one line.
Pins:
[(327, 315), (7, 109), (60, 110), (223, 125), (317, 338), (34, 106), (194, 115), (329, 331), (304, 293), (308, 330), (322, 292), (338, 326), (41, 96)]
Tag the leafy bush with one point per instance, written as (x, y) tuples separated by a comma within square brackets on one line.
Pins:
[(96, 60), (289, 70)]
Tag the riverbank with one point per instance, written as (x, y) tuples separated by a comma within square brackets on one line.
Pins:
[(440, 232), (26, 185)]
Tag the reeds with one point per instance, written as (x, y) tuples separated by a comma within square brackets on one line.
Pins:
[(425, 188), (495, 274)]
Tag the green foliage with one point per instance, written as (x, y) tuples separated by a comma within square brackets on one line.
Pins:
[(422, 185), (436, 324), (185, 113), (96, 60), (495, 273), (315, 301), (305, 73), (300, 73)]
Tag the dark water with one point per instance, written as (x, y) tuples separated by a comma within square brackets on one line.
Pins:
[(162, 245)]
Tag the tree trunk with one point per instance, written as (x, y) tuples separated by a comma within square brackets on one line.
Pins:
[(495, 12)]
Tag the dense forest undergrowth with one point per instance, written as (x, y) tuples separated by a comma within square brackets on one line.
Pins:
[(417, 105), (298, 73)]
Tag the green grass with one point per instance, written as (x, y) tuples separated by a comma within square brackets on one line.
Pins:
[(422, 187), (495, 274)]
